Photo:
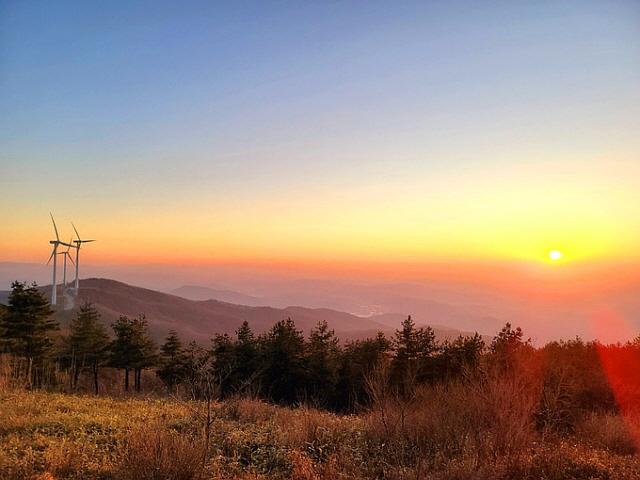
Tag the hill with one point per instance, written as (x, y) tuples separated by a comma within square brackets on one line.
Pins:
[(199, 320), (196, 292)]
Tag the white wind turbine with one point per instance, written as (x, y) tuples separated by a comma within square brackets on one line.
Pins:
[(67, 256), (54, 255), (78, 243)]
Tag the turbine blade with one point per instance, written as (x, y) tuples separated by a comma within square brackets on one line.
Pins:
[(54, 226), (87, 241), (51, 256), (75, 230), (71, 258)]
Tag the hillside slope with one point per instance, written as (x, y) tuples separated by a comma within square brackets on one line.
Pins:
[(200, 320)]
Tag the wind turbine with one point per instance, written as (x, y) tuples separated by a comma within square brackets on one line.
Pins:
[(78, 243), (67, 255), (54, 255)]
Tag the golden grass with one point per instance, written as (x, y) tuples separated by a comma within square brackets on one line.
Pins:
[(153, 452), (454, 432)]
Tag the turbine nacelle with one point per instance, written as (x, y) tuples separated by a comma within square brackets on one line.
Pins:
[(78, 241), (58, 242)]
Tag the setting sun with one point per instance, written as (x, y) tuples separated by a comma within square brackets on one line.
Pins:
[(555, 255)]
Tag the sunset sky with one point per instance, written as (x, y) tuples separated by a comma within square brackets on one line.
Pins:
[(322, 133)]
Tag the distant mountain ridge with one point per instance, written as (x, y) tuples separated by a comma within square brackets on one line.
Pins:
[(200, 320), (199, 293)]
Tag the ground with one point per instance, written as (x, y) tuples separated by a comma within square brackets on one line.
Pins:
[(57, 436)]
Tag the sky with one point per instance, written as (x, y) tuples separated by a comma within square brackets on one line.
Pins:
[(322, 134)]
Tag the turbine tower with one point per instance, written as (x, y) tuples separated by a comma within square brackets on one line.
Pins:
[(54, 255), (78, 243)]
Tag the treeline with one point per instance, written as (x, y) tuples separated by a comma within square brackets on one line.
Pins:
[(281, 365), (284, 366)]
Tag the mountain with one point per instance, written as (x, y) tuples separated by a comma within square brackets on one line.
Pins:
[(200, 320), (450, 311), (196, 292)]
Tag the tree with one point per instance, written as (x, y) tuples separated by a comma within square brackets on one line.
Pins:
[(458, 356), (27, 326), (3, 312), (413, 348), (426, 346), (146, 355), (122, 348), (507, 345), (87, 343), (284, 362), (132, 349), (358, 360), (197, 364), (246, 359), (173, 361), (323, 355), (223, 363)]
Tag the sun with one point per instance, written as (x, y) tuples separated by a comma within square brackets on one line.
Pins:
[(555, 255)]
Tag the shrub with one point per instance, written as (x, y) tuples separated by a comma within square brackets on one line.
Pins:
[(481, 422), (156, 453), (610, 432)]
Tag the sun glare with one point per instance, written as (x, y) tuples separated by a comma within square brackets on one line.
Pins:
[(555, 255)]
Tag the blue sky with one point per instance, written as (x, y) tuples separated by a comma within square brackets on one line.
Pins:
[(165, 105)]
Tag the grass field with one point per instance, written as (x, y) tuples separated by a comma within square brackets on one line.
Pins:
[(441, 435)]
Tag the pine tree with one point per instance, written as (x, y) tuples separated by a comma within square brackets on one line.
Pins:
[(223, 363), (197, 361), (87, 343), (122, 349), (284, 362), (506, 346), (323, 355), (246, 354), (359, 359), (3, 312), (27, 326), (173, 361), (426, 347), (413, 348), (145, 348), (459, 356), (132, 349)]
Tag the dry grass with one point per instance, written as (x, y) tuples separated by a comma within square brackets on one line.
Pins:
[(611, 432), (153, 452), (481, 431), (462, 425)]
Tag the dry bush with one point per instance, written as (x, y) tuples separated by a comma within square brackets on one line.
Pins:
[(156, 453), (611, 432), (478, 423), (13, 373), (302, 425), (64, 461), (565, 460), (72, 461), (247, 410), (5, 373), (302, 467)]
